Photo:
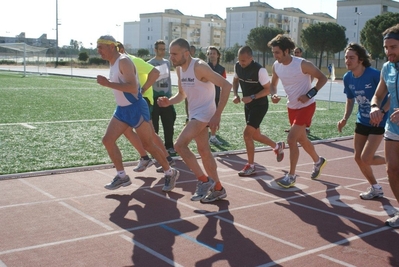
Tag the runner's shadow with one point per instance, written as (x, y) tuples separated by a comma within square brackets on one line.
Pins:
[(338, 222), (146, 218), (233, 246)]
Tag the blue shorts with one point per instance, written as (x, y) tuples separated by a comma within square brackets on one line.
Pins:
[(133, 115)]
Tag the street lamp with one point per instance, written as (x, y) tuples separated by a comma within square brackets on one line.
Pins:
[(56, 33)]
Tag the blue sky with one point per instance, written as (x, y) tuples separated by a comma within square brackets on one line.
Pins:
[(86, 20)]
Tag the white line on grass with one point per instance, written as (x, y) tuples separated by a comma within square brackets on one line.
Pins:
[(28, 126)]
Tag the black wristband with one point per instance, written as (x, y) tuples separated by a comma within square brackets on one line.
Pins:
[(382, 111), (312, 92)]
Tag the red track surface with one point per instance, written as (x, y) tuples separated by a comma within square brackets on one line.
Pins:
[(71, 220)]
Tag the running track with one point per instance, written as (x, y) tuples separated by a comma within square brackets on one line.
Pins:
[(68, 219)]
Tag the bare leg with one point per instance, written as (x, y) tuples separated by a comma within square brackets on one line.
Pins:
[(365, 148), (193, 129), (114, 130), (146, 133)]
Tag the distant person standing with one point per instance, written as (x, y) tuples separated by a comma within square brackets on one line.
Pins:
[(296, 76), (214, 62), (255, 85), (131, 112), (389, 84), (360, 84), (197, 83), (193, 49), (163, 87), (298, 51)]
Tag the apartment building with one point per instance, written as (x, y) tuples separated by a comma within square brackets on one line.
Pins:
[(240, 21), (198, 31), (353, 14)]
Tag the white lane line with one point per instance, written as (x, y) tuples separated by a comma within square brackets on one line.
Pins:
[(36, 188), (28, 126), (61, 242), (335, 260), (2, 264), (333, 214), (90, 218), (151, 251), (260, 233), (330, 245)]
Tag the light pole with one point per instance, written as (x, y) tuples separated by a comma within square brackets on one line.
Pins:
[(357, 22), (56, 33)]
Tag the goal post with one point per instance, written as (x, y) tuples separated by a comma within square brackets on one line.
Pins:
[(33, 58)]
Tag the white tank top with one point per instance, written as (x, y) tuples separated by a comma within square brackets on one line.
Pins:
[(122, 98), (294, 81), (200, 95)]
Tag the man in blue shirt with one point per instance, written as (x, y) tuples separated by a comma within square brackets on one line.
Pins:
[(360, 83)]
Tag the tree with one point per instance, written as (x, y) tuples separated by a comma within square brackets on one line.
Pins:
[(143, 52), (229, 56), (324, 37), (83, 56), (371, 35), (202, 56), (259, 37)]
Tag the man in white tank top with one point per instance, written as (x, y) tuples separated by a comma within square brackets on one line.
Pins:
[(131, 112), (197, 82), (296, 76)]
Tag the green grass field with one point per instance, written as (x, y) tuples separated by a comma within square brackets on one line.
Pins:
[(52, 122)]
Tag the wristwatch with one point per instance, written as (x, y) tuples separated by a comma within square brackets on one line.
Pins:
[(253, 97), (374, 106)]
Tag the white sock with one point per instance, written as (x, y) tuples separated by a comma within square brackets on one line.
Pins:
[(276, 147), (121, 174), (168, 172), (318, 161), (377, 186)]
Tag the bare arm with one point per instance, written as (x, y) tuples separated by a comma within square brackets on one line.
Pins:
[(151, 78), (128, 71), (273, 87), (379, 95), (314, 72), (204, 73), (177, 98), (348, 111)]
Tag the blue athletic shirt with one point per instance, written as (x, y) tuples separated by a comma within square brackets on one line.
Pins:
[(391, 78), (363, 89)]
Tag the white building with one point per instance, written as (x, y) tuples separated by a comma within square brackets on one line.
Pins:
[(213, 30), (198, 31), (240, 21), (131, 32), (353, 14)]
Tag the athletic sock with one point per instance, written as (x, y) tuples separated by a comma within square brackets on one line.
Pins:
[(146, 157), (276, 147), (168, 172), (121, 174), (169, 158), (377, 186), (203, 178)]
